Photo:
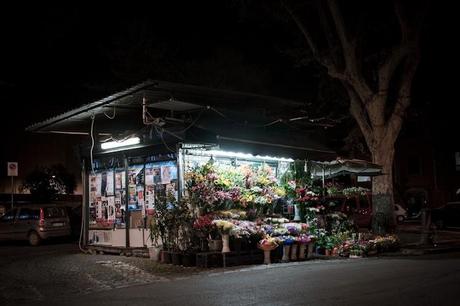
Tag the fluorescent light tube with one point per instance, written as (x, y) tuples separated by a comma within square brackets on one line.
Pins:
[(117, 144)]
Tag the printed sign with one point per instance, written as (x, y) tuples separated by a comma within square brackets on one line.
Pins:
[(12, 169)]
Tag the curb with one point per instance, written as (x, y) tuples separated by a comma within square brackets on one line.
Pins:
[(430, 250)]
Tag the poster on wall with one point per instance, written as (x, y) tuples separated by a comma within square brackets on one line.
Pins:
[(149, 198), (157, 175), (92, 215), (109, 185), (98, 184), (132, 197), (104, 208), (120, 207), (111, 209), (171, 190), (136, 175), (165, 174), (99, 210), (149, 175)]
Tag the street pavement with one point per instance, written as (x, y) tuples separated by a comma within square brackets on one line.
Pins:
[(371, 281), (58, 274)]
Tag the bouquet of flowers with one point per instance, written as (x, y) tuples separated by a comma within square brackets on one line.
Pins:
[(286, 239), (268, 243), (303, 239), (276, 220), (204, 225), (293, 228), (280, 231), (223, 226)]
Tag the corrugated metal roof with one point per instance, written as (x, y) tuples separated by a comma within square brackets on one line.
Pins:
[(184, 97)]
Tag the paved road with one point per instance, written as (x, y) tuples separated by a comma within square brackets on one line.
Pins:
[(402, 281), (57, 274)]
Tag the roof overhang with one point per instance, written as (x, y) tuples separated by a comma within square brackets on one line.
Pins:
[(181, 107)]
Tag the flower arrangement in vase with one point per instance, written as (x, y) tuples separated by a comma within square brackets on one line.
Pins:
[(224, 228), (267, 244)]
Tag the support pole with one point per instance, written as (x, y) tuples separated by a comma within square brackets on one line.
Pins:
[(12, 192)]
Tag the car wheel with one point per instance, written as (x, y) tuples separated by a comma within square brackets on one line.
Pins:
[(400, 219), (34, 238)]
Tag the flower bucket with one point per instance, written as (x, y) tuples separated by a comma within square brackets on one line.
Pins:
[(294, 251), (302, 249), (225, 243), (215, 245), (286, 250), (310, 250), (267, 251)]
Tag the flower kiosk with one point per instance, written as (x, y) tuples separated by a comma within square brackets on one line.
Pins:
[(209, 207), (169, 176)]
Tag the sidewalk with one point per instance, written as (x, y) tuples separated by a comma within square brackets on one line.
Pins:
[(410, 236)]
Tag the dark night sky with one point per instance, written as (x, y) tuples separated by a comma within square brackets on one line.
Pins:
[(56, 58)]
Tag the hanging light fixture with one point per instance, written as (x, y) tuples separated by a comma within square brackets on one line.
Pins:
[(124, 143)]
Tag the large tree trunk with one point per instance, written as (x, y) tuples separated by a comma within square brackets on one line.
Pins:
[(382, 189), (369, 98)]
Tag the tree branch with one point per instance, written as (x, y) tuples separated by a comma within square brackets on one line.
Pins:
[(325, 61), (353, 73), (359, 113), (386, 70), (404, 96), (303, 29), (410, 40)]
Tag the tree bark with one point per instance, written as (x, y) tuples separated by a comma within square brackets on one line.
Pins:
[(382, 189)]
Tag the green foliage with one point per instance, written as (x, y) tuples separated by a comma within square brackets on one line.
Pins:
[(172, 224)]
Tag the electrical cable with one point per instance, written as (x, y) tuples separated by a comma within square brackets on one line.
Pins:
[(114, 113), (92, 142), (160, 134), (193, 122)]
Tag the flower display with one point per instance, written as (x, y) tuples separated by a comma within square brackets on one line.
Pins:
[(280, 231), (353, 191), (303, 239), (232, 214), (243, 229), (276, 220), (286, 239), (268, 243), (223, 226), (333, 188), (212, 187), (204, 223)]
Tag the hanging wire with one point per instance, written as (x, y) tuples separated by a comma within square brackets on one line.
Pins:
[(160, 134), (92, 142), (114, 113), (193, 122)]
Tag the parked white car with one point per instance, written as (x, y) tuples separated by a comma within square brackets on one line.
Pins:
[(400, 213)]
